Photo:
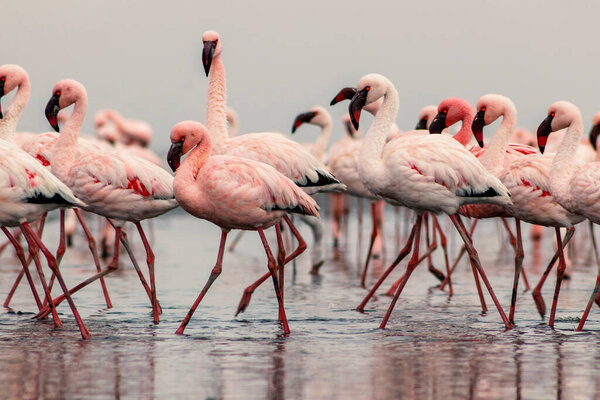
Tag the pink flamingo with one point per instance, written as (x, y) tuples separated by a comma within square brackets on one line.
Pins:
[(121, 189), (286, 156), (421, 172), (320, 117), (233, 193), (574, 185)]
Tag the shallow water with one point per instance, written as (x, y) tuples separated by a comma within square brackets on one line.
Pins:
[(434, 347)]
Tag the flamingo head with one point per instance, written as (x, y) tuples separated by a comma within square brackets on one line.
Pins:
[(11, 76), (595, 131), (212, 49), (349, 127), (315, 116), (561, 115), (369, 90), (426, 115), (490, 107), (184, 137), (450, 111), (64, 93)]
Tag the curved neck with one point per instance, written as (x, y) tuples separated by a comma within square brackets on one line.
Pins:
[(464, 135), (564, 165), (322, 141), (370, 164), (216, 114), (190, 167), (8, 124), (493, 157), (64, 150)]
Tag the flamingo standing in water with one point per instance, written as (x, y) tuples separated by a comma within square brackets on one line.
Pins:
[(233, 193), (286, 156), (119, 188), (421, 172), (573, 185)]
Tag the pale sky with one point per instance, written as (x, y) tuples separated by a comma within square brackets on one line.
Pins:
[(144, 57)]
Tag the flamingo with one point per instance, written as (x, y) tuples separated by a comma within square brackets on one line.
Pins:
[(116, 187), (426, 116), (28, 190), (320, 117), (421, 172), (574, 185), (286, 156), (233, 193)]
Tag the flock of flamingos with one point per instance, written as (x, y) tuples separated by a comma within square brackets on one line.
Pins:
[(255, 181)]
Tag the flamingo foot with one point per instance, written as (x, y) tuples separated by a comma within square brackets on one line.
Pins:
[(315, 268), (244, 301)]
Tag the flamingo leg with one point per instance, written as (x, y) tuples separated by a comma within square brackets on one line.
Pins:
[(434, 271), (412, 264), (276, 284), (519, 255), (25, 269), (216, 271), (280, 257), (374, 232), (150, 261), (537, 291), (462, 252), (93, 250), (403, 253), (247, 294), (85, 334), (444, 244), (476, 264), (517, 245), (336, 216), (235, 241), (595, 247), (560, 272)]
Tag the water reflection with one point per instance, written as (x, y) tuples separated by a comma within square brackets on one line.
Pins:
[(436, 347)]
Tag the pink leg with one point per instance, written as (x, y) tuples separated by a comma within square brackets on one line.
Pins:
[(216, 271), (247, 294), (271, 266), (93, 250), (403, 253), (537, 291), (444, 243), (280, 258), (560, 272), (517, 244), (25, 264), (363, 277), (412, 263), (432, 244), (462, 252), (150, 261), (519, 255), (589, 305), (462, 230), (336, 216)]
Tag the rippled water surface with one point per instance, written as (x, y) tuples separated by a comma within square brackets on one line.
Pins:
[(434, 347)]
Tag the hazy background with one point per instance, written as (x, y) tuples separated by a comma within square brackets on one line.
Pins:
[(144, 57)]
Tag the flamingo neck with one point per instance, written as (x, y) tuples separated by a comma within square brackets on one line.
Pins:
[(193, 163), (464, 135), (323, 140), (564, 164), (495, 152), (12, 114), (216, 113), (64, 150), (370, 164)]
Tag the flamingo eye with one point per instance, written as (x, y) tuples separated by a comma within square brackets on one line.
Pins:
[(426, 117), (368, 88), (57, 93), (182, 140), (444, 111), (2, 79), (552, 114), (483, 108)]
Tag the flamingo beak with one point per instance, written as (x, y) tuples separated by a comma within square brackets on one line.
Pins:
[(1, 94), (303, 118), (174, 155), (422, 124), (356, 105), (477, 127), (543, 131), (52, 109), (345, 94), (438, 124), (594, 135), (207, 54)]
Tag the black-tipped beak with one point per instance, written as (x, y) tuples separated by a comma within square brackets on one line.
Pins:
[(52, 109), (174, 155), (477, 127), (438, 124), (1, 94), (303, 118), (422, 124), (207, 54), (543, 131), (594, 135), (346, 93), (356, 105)]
